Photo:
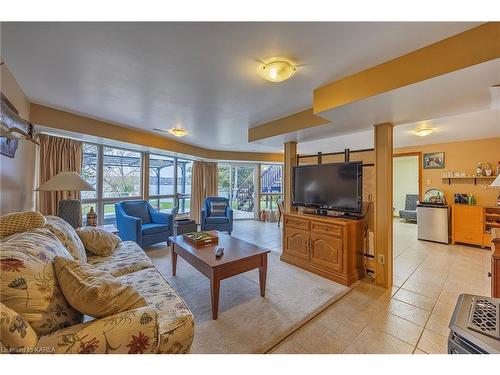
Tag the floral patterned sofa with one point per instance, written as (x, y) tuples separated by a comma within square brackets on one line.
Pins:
[(36, 318)]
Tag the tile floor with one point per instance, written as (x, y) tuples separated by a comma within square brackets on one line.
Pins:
[(411, 318), (263, 234)]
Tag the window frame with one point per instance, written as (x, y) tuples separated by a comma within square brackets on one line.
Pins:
[(100, 201)]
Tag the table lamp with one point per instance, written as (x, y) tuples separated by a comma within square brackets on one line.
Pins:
[(69, 210), (496, 183)]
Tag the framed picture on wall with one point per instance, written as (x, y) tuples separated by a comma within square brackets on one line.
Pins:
[(434, 160)]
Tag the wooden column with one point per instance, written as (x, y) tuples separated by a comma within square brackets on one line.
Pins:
[(383, 204), (290, 160)]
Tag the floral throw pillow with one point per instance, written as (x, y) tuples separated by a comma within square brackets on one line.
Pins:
[(16, 334), (67, 235), (28, 284)]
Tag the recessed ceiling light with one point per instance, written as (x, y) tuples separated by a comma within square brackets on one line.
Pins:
[(277, 69), (424, 131)]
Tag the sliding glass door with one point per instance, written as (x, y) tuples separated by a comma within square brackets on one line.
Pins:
[(237, 183)]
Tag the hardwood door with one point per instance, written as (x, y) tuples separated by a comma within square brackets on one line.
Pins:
[(296, 243), (326, 251)]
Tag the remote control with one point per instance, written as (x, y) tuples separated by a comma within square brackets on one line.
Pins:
[(219, 252)]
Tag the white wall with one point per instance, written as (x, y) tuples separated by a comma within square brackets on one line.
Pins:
[(17, 176), (405, 180)]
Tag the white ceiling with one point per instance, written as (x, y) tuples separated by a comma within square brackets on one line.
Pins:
[(463, 101), (201, 76)]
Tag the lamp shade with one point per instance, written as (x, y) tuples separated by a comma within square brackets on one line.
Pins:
[(496, 182), (64, 181)]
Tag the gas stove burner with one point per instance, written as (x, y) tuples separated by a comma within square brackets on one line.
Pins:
[(484, 316)]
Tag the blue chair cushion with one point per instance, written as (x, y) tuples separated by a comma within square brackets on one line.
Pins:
[(216, 220), (218, 208), (137, 209), (154, 228)]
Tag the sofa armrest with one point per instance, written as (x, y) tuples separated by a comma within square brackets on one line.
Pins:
[(134, 331), (158, 217), (129, 227), (203, 215)]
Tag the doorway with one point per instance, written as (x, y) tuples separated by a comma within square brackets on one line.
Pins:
[(406, 186), (237, 184), (406, 190)]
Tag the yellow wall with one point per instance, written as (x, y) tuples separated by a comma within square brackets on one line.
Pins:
[(461, 156), (17, 175), (57, 119)]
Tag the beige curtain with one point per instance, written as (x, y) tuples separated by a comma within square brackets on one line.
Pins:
[(211, 180), (57, 155), (204, 183)]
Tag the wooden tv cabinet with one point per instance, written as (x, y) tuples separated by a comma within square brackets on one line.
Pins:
[(327, 246)]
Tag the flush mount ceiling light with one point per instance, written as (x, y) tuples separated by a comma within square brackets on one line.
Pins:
[(424, 131), (177, 131), (277, 70)]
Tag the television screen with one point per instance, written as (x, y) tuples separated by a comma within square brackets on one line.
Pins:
[(335, 186)]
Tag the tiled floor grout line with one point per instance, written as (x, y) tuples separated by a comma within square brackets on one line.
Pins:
[(434, 305)]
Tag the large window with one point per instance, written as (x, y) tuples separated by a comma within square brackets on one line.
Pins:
[(122, 173), (184, 170), (89, 169), (161, 175), (271, 177), (117, 175)]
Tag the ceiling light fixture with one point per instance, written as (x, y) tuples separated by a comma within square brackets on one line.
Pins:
[(277, 70), (423, 132), (178, 132)]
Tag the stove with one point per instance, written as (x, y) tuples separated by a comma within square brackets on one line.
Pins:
[(475, 326)]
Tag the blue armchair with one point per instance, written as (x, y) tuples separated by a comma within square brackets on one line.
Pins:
[(138, 221), (217, 214)]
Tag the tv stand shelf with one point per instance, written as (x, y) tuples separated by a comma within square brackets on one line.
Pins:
[(329, 246)]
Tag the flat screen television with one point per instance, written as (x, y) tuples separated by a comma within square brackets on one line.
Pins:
[(333, 186)]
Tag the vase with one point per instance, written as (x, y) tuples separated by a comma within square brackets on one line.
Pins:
[(92, 218)]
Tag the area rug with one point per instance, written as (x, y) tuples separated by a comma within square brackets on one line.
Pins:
[(247, 322)]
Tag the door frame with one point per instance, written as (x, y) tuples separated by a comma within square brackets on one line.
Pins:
[(419, 154)]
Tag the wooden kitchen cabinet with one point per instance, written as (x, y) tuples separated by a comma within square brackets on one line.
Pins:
[(467, 224)]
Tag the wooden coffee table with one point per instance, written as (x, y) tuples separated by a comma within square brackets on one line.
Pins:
[(239, 256)]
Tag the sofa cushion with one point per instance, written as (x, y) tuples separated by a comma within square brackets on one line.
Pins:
[(16, 334), (137, 209), (18, 222), (132, 332), (216, 220), (218, 208), (67, 235), (98, 241), (93, 292), (175, 321), (28, 284), (154, 228), (128, 257)]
